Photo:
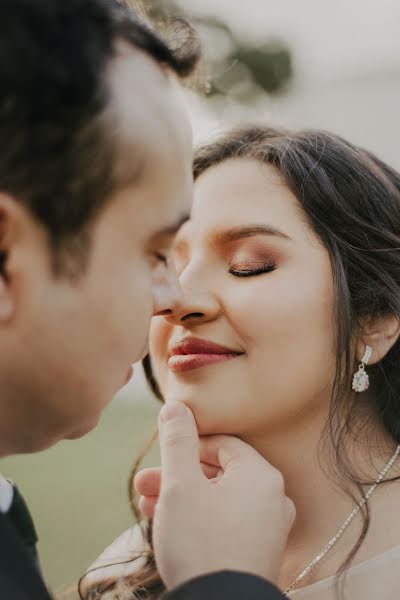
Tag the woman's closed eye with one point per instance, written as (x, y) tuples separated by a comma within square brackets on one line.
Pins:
[(251, 269)]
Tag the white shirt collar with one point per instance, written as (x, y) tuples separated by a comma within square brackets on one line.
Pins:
[(6, 494)]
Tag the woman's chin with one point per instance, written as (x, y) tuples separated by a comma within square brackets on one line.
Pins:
[(209, 416), (209, 425)]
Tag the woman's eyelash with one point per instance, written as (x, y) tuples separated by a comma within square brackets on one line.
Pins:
[(252, 272)]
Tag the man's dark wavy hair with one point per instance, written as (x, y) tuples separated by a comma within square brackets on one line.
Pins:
[(57, 154)]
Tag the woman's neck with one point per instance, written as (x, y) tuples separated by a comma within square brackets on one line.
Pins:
[(321, 501), (297, 455)]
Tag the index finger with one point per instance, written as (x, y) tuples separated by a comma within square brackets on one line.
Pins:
[(228, 452)]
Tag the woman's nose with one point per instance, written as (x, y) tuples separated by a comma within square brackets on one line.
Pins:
[(192, 308)]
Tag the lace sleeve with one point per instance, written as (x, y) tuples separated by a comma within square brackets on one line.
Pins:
[(119, 560)]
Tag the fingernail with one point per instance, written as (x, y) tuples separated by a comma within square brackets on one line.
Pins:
[(172, 410)]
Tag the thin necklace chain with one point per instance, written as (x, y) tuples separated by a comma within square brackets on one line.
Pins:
[(345, 524)]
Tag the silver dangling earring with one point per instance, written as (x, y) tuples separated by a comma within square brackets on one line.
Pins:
[(361, 379)]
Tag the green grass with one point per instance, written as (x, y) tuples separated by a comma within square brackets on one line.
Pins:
[(77, 491)]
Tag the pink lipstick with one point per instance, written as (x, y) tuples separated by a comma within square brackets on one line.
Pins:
[(193, 353)]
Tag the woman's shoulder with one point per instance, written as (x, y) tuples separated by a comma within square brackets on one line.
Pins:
[(374, 578), (122, 558)]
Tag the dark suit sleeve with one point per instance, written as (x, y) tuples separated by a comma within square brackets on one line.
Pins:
[(227, 585)]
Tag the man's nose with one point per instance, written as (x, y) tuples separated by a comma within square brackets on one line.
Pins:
[(167, 293)]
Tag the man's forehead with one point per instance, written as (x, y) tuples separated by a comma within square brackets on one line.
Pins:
[(145, 100), (149, 118)]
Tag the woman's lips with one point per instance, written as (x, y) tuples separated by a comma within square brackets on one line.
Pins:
[(187, 362), (193, 353)]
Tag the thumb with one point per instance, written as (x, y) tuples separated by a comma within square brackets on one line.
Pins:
[(179, 443)]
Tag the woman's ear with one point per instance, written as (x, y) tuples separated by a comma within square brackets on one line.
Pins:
[(380, 333)]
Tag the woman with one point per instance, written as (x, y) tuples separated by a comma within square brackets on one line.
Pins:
[(288, 337)]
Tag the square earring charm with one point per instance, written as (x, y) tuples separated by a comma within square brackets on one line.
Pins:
[(361, 379)]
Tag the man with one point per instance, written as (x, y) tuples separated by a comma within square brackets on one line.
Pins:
[(95, 179)]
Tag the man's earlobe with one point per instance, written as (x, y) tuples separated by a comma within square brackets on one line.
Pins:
[(6, 300), (7, 210)]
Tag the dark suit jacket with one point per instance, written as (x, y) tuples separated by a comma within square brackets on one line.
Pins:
[(19, 575), (20, 578), (226, 585)]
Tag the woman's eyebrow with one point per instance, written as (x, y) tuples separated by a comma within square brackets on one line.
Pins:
[(238, 233)]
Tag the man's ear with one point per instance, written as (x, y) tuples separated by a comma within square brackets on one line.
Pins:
[(380, 333), (9, 211)]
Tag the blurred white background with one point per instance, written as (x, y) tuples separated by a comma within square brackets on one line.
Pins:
[(346, 67)]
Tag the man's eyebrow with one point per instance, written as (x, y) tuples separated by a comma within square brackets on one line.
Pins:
[(239, 233), (172, 229)]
